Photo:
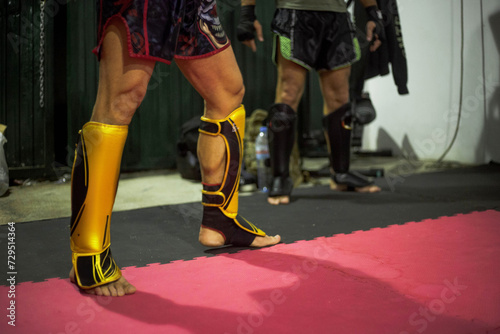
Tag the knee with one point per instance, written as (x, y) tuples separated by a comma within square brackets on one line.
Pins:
[(220, 105), (336, 101), (239, 93), (341, 99), (290, 96), (124, 104)]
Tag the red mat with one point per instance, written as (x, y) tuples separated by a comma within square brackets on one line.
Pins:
[(435, 276)]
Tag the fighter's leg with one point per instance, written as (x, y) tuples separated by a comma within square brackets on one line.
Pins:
[(122, 86), (290, 82), (336, 111), (123, 80), (220, 149), (289, 90)]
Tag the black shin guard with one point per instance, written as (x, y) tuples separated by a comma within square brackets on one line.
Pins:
[(281, 140), (338, 130)]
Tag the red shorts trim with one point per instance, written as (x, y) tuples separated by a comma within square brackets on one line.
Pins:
[(97, 49), (162, 30)]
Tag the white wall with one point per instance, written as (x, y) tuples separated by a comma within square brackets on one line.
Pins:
[(424, 121)]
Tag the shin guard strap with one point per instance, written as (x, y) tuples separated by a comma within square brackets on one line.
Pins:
[(92, 270)]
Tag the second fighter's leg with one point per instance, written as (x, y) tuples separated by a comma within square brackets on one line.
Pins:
[(122, 85), (336, 110), (289, 89), (220, 149)]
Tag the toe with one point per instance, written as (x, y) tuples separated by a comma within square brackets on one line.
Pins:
[(284, 200), (278, 200), (112, 290), (368, 189), (98, 291), (266, 241), (120, 290), (273, 200), (130, 289)]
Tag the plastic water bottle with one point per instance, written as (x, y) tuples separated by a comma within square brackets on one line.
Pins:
[(262, 155)]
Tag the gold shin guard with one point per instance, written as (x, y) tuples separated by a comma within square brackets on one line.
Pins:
[(220, 211), (94, 183)]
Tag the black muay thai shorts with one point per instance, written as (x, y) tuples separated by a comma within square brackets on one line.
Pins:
[(318, 40)]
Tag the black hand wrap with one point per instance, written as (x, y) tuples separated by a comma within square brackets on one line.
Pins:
[(375, 15), (245, 30)]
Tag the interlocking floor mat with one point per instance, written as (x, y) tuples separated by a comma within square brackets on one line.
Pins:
[(434, 276)]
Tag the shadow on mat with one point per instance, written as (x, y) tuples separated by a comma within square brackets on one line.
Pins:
[(314, 296)]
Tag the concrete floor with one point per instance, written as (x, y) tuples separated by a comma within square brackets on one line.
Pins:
[(47, 200)]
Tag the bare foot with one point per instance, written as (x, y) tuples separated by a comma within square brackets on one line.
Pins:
[(341, 187), (265, 241), (115, 289), (211, 238), (277, 200)]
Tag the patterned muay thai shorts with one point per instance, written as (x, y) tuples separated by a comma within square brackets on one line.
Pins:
[(165, 29)]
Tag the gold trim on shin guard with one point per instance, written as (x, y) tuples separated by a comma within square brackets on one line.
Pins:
[(94, 182), (224, 198)]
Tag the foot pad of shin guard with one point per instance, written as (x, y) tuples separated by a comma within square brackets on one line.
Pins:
[(351, 179), (95, 270), (236, 231), (281, 186)]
